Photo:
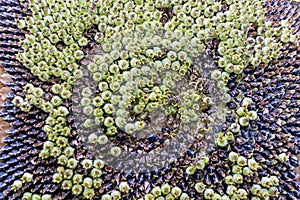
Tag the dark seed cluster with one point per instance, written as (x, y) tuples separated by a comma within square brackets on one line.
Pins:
[(137, 54)]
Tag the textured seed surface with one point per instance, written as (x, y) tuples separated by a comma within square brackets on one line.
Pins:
[(253, 154)]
